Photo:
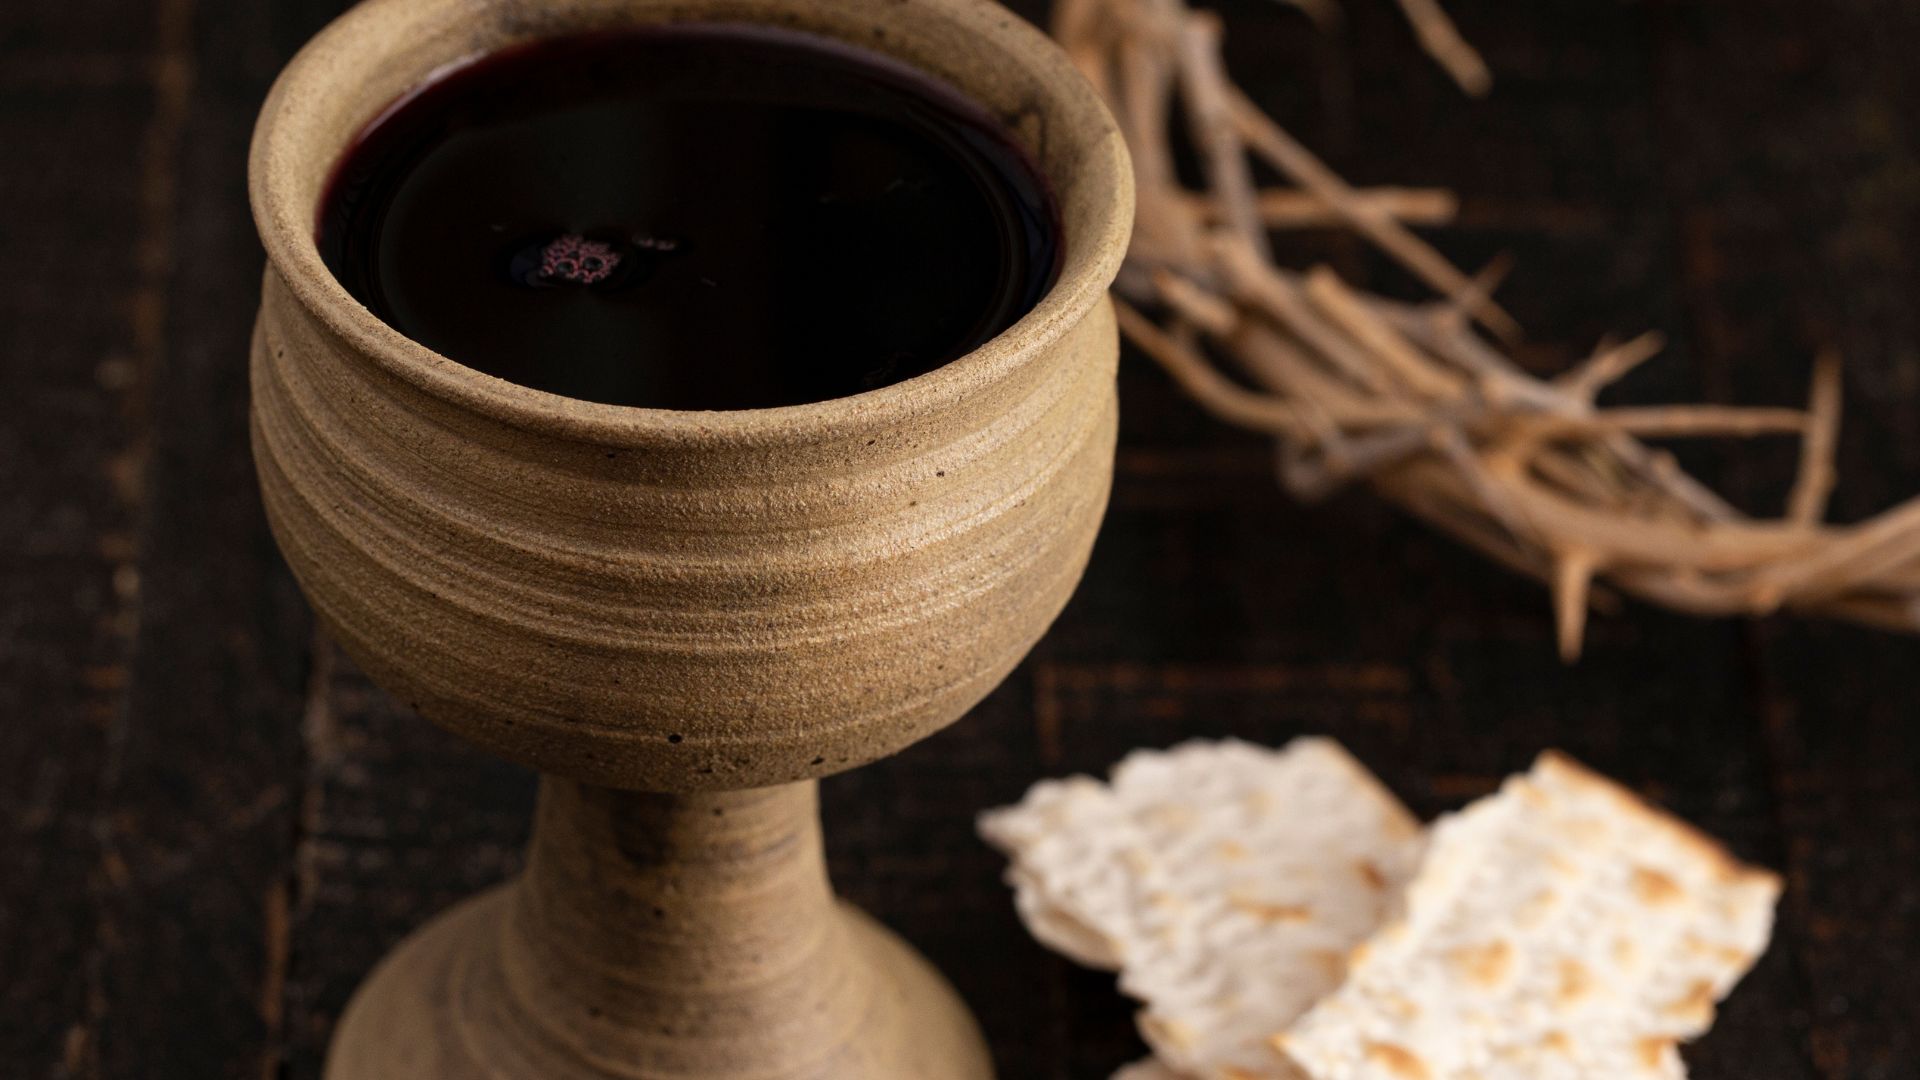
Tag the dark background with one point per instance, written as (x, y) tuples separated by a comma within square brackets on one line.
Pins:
[(211, 825)]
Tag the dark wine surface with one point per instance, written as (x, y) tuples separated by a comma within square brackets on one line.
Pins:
[(691, 217)]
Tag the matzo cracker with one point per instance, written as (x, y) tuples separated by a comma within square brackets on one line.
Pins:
[(1226, 881), (1558, 930)]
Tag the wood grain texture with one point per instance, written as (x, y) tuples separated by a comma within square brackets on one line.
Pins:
[(1789, 244), (69, 479), (1738, 176), (206, 787)]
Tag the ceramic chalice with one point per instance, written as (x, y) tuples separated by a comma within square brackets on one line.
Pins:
[(681, 619)]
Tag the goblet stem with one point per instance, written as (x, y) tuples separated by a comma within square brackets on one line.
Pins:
[(684, 921), (665, 937)]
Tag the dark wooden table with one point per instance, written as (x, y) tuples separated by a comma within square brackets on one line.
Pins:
[(211, 825)]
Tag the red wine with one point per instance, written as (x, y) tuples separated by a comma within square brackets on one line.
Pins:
[(707, 216)]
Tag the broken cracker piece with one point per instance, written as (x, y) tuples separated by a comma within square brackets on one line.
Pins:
[(1560, 929), (1076, 857), (1059, 929), (1226, 881)]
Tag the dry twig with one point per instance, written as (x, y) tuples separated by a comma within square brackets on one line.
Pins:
[(1412, 399), (1439, 37)]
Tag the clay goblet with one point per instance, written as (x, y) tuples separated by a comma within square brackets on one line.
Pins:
[(682, 619)]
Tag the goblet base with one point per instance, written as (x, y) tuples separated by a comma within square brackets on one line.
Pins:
[(710, 963)]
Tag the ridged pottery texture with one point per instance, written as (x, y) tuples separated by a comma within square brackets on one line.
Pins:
[(682, 601), (663, 609)]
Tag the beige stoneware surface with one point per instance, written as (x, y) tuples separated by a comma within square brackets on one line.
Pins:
[(685, 602)]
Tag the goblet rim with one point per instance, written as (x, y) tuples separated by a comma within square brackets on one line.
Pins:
[(1095, 243)]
